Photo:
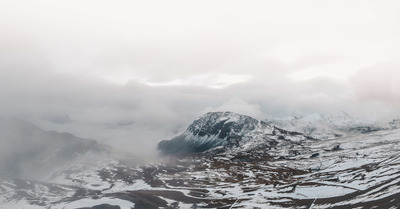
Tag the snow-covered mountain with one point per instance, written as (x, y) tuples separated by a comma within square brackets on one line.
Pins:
[(242, 163), (324, 126), (28, 151), (227, 129)]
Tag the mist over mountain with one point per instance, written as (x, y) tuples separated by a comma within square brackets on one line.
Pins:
[(30, 152)]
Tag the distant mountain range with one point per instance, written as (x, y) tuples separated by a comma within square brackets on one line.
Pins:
[(324, 126)]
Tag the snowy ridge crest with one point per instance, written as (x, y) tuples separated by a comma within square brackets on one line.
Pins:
[(324, 126)]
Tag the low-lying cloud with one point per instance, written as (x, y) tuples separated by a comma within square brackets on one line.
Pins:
[(136, 115), (135, 73)]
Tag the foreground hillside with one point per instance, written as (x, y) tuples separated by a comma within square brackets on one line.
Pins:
[(265, 167)]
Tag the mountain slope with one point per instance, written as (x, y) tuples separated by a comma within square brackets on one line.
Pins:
[(27, 151), (226, 129), (323, 126)]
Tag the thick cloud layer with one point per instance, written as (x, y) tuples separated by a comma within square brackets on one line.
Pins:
[(133, 73)]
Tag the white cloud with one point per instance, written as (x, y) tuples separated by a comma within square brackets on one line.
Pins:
[(60, 61)]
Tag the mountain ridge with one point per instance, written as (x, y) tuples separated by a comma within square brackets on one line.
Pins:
[(327, 126), (226, 129)]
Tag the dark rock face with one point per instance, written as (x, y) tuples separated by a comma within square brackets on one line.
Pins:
[(211, 130), (221, 124)]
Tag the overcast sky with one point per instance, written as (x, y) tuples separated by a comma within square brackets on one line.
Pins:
[(143, 70)]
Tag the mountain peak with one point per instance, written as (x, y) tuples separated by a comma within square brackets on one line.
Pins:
[(213, 123), (226, 129), (211, 130)]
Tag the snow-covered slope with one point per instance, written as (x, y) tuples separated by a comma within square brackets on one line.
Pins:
[(226, 129), (324, 126)]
